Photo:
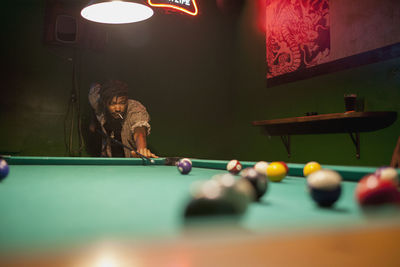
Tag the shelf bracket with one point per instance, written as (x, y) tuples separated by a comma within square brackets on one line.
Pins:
[(286, 142), (355, 137)]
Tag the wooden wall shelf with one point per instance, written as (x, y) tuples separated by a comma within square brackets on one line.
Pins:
[(352, 123)]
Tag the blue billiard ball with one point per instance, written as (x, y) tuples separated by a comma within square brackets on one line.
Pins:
[(324, 187), (184, 166), (4, 169)]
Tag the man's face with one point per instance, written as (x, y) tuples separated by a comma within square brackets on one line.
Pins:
[(117, 106)]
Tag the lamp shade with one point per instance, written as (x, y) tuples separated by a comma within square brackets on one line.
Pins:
[(116, 12)]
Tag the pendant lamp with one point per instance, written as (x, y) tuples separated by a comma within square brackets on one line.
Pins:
[(116, 12)]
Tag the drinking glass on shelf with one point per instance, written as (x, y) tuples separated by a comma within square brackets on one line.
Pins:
[(350, 101)]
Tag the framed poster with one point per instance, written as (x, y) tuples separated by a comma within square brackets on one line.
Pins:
[(305, 38)]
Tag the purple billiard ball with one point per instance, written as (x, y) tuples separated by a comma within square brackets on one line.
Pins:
[(184, 166), (4, 169)]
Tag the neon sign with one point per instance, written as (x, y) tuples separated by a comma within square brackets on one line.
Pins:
[(186, 6)]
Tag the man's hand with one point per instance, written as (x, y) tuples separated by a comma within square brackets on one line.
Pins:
[(145, 152)]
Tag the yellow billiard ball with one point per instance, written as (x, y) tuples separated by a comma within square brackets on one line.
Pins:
[(311, 167), (276, 171)]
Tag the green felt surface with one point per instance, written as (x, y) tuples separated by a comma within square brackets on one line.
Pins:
[(76, 204)]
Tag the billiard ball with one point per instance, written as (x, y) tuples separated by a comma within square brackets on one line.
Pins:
[(311, 167), (324, 187), (237, 191), (373, 191), (208, 200), (245, 187), (184, 166), (276, 171), (186, 159), (257, 180), (234, 166), (388, 173), (261, 167), (4, 169)]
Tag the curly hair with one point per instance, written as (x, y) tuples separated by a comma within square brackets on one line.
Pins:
[(111, 89)]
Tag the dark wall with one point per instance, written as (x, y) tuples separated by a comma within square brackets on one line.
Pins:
[(202, 80), (35, 85), (179, 67), (378, 84)]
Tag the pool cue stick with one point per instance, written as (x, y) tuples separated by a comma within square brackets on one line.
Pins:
[(123, 145)]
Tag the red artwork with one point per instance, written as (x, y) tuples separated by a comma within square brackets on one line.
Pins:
[(297, 35)]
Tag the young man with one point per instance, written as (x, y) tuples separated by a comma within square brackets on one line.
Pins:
[(125, 120)]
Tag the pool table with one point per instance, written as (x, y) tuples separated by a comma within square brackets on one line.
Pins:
[(58, 211)]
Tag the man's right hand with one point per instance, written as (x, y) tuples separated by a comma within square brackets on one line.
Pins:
[(145, 152)]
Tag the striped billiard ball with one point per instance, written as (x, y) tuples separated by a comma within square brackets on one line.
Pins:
[(184, 166), (186, 159), (234, 166), (373, 191)]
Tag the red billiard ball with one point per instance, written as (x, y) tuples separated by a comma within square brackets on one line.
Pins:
[(373, 191), (234, 166), (184, 166), (324, 187), (4, 169)]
